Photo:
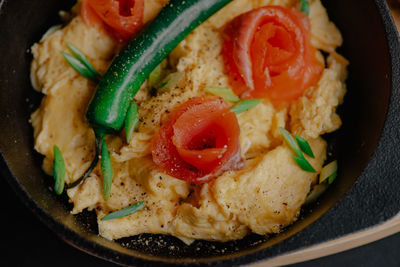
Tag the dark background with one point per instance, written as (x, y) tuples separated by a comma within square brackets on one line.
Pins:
[(27, 242)]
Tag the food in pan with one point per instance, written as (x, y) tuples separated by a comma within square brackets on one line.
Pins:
[(197, 119)]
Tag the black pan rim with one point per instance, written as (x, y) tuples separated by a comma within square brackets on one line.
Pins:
[(386, 143)]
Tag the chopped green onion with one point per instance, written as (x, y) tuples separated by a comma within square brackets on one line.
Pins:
[(81, 57), (305, 6), (291, 142), (162, 84), (131, 120), (124, 212), (79, 67), (294, 146), (58, 171), (328, 173), (244, 105), (303, 164), (304, 146), (225, 93), (171, 81), (155, 76), (106, 170), (80, 63), (315, 193)]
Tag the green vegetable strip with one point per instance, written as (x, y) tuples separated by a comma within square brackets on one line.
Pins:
[(155, 76), (171, 81), (141, 56), (331, 178), (161, 85), (81, 57), (131, 120), (328, 173), (244, 105), (79, 67), (303, 164), (106, 170), (225, 93), (299, 158), (58, 171), (291, 142), (305, 6), (304, 146), (124, 212)]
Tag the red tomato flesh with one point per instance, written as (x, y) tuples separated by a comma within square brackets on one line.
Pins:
[(268, 54), (123, 18), (199, 142)]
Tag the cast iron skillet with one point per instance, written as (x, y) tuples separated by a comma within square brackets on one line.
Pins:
[(366, 192)]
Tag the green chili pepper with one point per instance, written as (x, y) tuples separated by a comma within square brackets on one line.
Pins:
[(107, 110), (132, 66)]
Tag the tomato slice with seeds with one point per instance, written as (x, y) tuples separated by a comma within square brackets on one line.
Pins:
[(268, 54), (199, 142), (123, 18)]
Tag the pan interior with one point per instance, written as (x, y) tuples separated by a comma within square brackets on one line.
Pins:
[(363, 114)]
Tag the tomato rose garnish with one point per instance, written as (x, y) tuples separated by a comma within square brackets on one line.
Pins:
[(123, 18), (199, 142), (268, 54)]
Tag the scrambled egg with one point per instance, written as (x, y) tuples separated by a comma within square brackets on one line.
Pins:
[(263, 197)]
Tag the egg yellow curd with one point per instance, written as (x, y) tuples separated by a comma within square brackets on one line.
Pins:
[(262, 197)]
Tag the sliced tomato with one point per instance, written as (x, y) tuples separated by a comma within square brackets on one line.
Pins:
[(199, 142), (268, 54), (123, 18)]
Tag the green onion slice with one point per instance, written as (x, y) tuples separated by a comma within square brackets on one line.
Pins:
[(305, 6), (291, 142), (294, 146), (315, 193), (79, 67), (124, 212), (225, 93), (162, 84), (303, 164), (106, 170), (131, 120), (328, 173), (171, 81), (58, 171), (304, 146), (81, 57), (244, 105), (155, 76)]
